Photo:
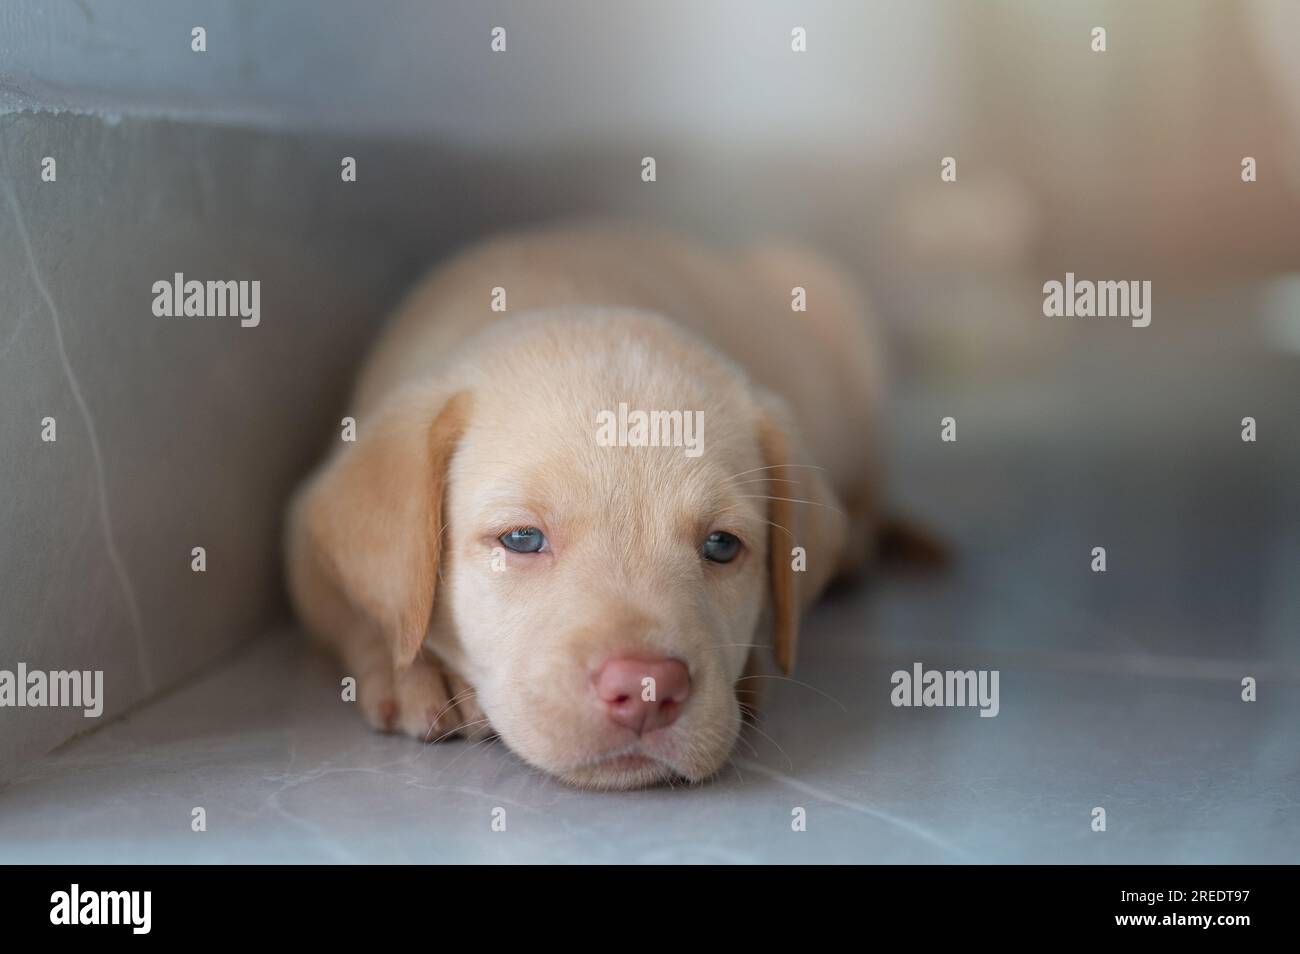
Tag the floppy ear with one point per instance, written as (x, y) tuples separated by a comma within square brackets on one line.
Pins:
[(374, 516), (806, 514)]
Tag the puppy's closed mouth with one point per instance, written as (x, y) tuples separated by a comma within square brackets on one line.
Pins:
[(631, 760), (628, 757), (630, 765)]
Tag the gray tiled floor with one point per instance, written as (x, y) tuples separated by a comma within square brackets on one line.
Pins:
[(1185, 770), (1119, 690)]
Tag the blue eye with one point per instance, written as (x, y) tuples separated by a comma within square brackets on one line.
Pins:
[(523, 540), (720, 547)]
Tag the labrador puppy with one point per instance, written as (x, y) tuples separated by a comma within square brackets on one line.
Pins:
[(598, 474)]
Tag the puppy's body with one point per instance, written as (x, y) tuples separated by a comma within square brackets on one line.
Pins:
[(474, 422)]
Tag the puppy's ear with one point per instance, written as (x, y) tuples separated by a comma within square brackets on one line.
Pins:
[(374, 516), (803, 512)]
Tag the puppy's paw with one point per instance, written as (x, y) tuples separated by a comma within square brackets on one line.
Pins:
[(377, 697), (433, 704)]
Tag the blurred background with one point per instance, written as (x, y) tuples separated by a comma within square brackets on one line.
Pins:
[(1116, 165)]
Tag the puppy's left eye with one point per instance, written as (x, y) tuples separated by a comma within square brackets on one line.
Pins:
[(720, 547), (523, 540)]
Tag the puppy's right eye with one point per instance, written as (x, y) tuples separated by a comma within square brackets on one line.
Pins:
[(720, 547), (523, 540)]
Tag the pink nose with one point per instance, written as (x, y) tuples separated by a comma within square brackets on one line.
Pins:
[(642, 694)]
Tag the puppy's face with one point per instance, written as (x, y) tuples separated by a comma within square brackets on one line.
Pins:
[(606, 597), (602, 596)]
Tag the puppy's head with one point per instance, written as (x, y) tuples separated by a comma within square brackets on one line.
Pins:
[(603, 594)]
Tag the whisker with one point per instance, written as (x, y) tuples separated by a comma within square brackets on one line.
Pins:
[(459, 728), (463, 694), (490, 739), (797, 683), (785, 530), (788, 761), (766, 480), (731, 760), (815, 503), (754, 470)]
